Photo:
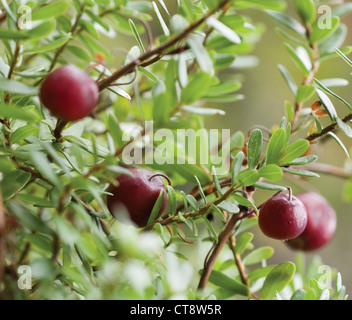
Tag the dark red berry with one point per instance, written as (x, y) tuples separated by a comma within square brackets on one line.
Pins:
[(321, 224), (136, 195), (69, 93), (282, 218)]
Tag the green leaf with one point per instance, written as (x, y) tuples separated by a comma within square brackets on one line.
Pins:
[(28, 219), (13, 86), (293, 151), (115, 130), (242, 242), (223, 281), (254, 148), (203, 111), (229, 207), (307, 9), (51, 10), (327, 90), (13, 34), (37, 201), (343, 56), (23, 133), (289, 111), (196, 88), (193, 202), (79, 52), (277, 144), (268, 186), (236, 167), (288, 78), (42, 31), (224, 30), (97, 20), (277, 280), (172, 199), (247, 177), (216, 180), (334, 82), (156, 209), (271, 172), (303, 160), (211, 229), (161, 20), (136, 34), (298, 294), (259, 273), (288, 22), (302, 61), (342, 10), (260, 4), (164, 7), (50, 46), (319, 33), (201, 54), (244, 202), (43, 165), (328, 106), (16, 112), (88, 146), (218, 212), (223, 88), (344, 127), (304, 93), (303, 173), (258, 255), (335, 40), (339, 142), (13, 183), (89, 28)]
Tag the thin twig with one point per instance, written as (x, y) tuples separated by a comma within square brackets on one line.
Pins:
[(222, 239), (159, 51), (329, 128)]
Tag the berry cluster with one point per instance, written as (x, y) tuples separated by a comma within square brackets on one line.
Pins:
[(306, 222)]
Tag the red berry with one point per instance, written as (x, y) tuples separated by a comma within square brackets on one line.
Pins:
[(282, 218), (321, 224), (137, 195), (69, 93)]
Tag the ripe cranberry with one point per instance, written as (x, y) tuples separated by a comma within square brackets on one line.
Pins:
[(321, 224), (137, 195), (69, 93), (282, 218)]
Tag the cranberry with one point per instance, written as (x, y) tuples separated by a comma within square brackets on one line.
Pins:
[(137, 195), (321, 224), (282, 217), (69, 93)]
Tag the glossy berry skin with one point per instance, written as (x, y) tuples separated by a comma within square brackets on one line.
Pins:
[(321, 224), (137, 195), (69, 93), (281, 218)]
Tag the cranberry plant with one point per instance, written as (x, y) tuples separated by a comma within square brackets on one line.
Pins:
[(57, 174)]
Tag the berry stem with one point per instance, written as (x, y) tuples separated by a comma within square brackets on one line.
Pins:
[(160, 175), (60, 125), (289, 193)]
